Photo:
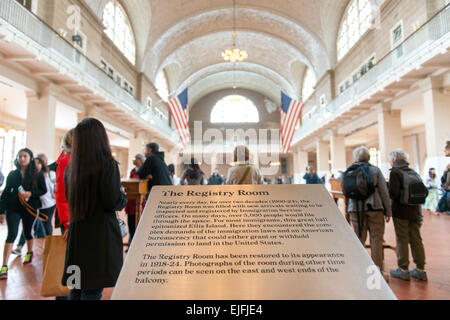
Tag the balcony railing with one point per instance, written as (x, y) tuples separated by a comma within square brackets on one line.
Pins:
[(56, 46), (433, 35)]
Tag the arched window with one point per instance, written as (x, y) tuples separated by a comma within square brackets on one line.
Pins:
[(357, 20), (119, 30), (309, 81), (162, 85), (234, 109)]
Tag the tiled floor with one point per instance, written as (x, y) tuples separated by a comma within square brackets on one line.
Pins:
[(24, 281)]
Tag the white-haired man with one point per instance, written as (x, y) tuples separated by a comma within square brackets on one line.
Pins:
[(370, 214)]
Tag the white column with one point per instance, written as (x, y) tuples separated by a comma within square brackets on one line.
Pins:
[(437, 129), (338, 154), (40, 123), (390, 134), (322, 150), (300, 164)]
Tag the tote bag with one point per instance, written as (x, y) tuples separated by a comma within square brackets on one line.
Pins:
[(53, 267)]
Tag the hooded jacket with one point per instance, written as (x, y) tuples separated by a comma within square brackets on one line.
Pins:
[(155, 166)]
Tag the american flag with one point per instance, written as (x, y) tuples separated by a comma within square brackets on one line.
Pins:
[(290, 113), (180, 114)]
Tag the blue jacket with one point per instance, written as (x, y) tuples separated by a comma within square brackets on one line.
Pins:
[(314, 180)]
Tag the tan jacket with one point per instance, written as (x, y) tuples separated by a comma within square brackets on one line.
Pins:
[(236, 173)]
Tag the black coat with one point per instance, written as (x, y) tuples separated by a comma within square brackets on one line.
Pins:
[(95, 243), (155, 166), (9, 200)]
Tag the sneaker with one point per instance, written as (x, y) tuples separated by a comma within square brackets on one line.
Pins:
[(420, 275), (17, 251), (4, 273), (28, 258), (401, 274)]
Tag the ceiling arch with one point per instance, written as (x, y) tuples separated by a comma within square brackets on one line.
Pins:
[(230, 69), (224, 80), (277, 56), (220, 21)]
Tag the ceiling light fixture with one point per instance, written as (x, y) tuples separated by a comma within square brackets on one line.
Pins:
[(236, 54)]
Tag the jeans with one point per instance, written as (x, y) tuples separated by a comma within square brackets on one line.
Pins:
[(407, 234), (41, 229), (76, 294), (13, 221)]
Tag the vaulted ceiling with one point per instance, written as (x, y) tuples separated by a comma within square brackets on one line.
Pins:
[(186, 37)]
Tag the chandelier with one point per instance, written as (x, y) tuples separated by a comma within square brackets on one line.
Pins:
[(236, 54)]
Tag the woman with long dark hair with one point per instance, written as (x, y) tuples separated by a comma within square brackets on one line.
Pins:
[(24, 187), (48, 205), (94, 194), (193, 174)]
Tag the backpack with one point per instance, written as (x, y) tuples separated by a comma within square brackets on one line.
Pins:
[(357, 182), (414, 192)]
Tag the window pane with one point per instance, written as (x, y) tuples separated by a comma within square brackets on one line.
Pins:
[(234, 109), (357, 20), (118, 29)]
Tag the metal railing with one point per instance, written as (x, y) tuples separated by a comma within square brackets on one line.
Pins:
[(434, 33), (74, 61)]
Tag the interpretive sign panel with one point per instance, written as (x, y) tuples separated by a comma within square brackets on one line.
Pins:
[(264, 242)]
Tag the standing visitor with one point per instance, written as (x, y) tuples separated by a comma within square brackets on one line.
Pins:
[(154, 167), (130, 209), (407, 219), (48, 202), (215, 179), (433, 192), (48, 205), (173, 177), (60, 190), (24, 187), (94, 239), (243, 172), (52, 167), (193, 175), (369, 214), (311, 176), (444, 202)]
